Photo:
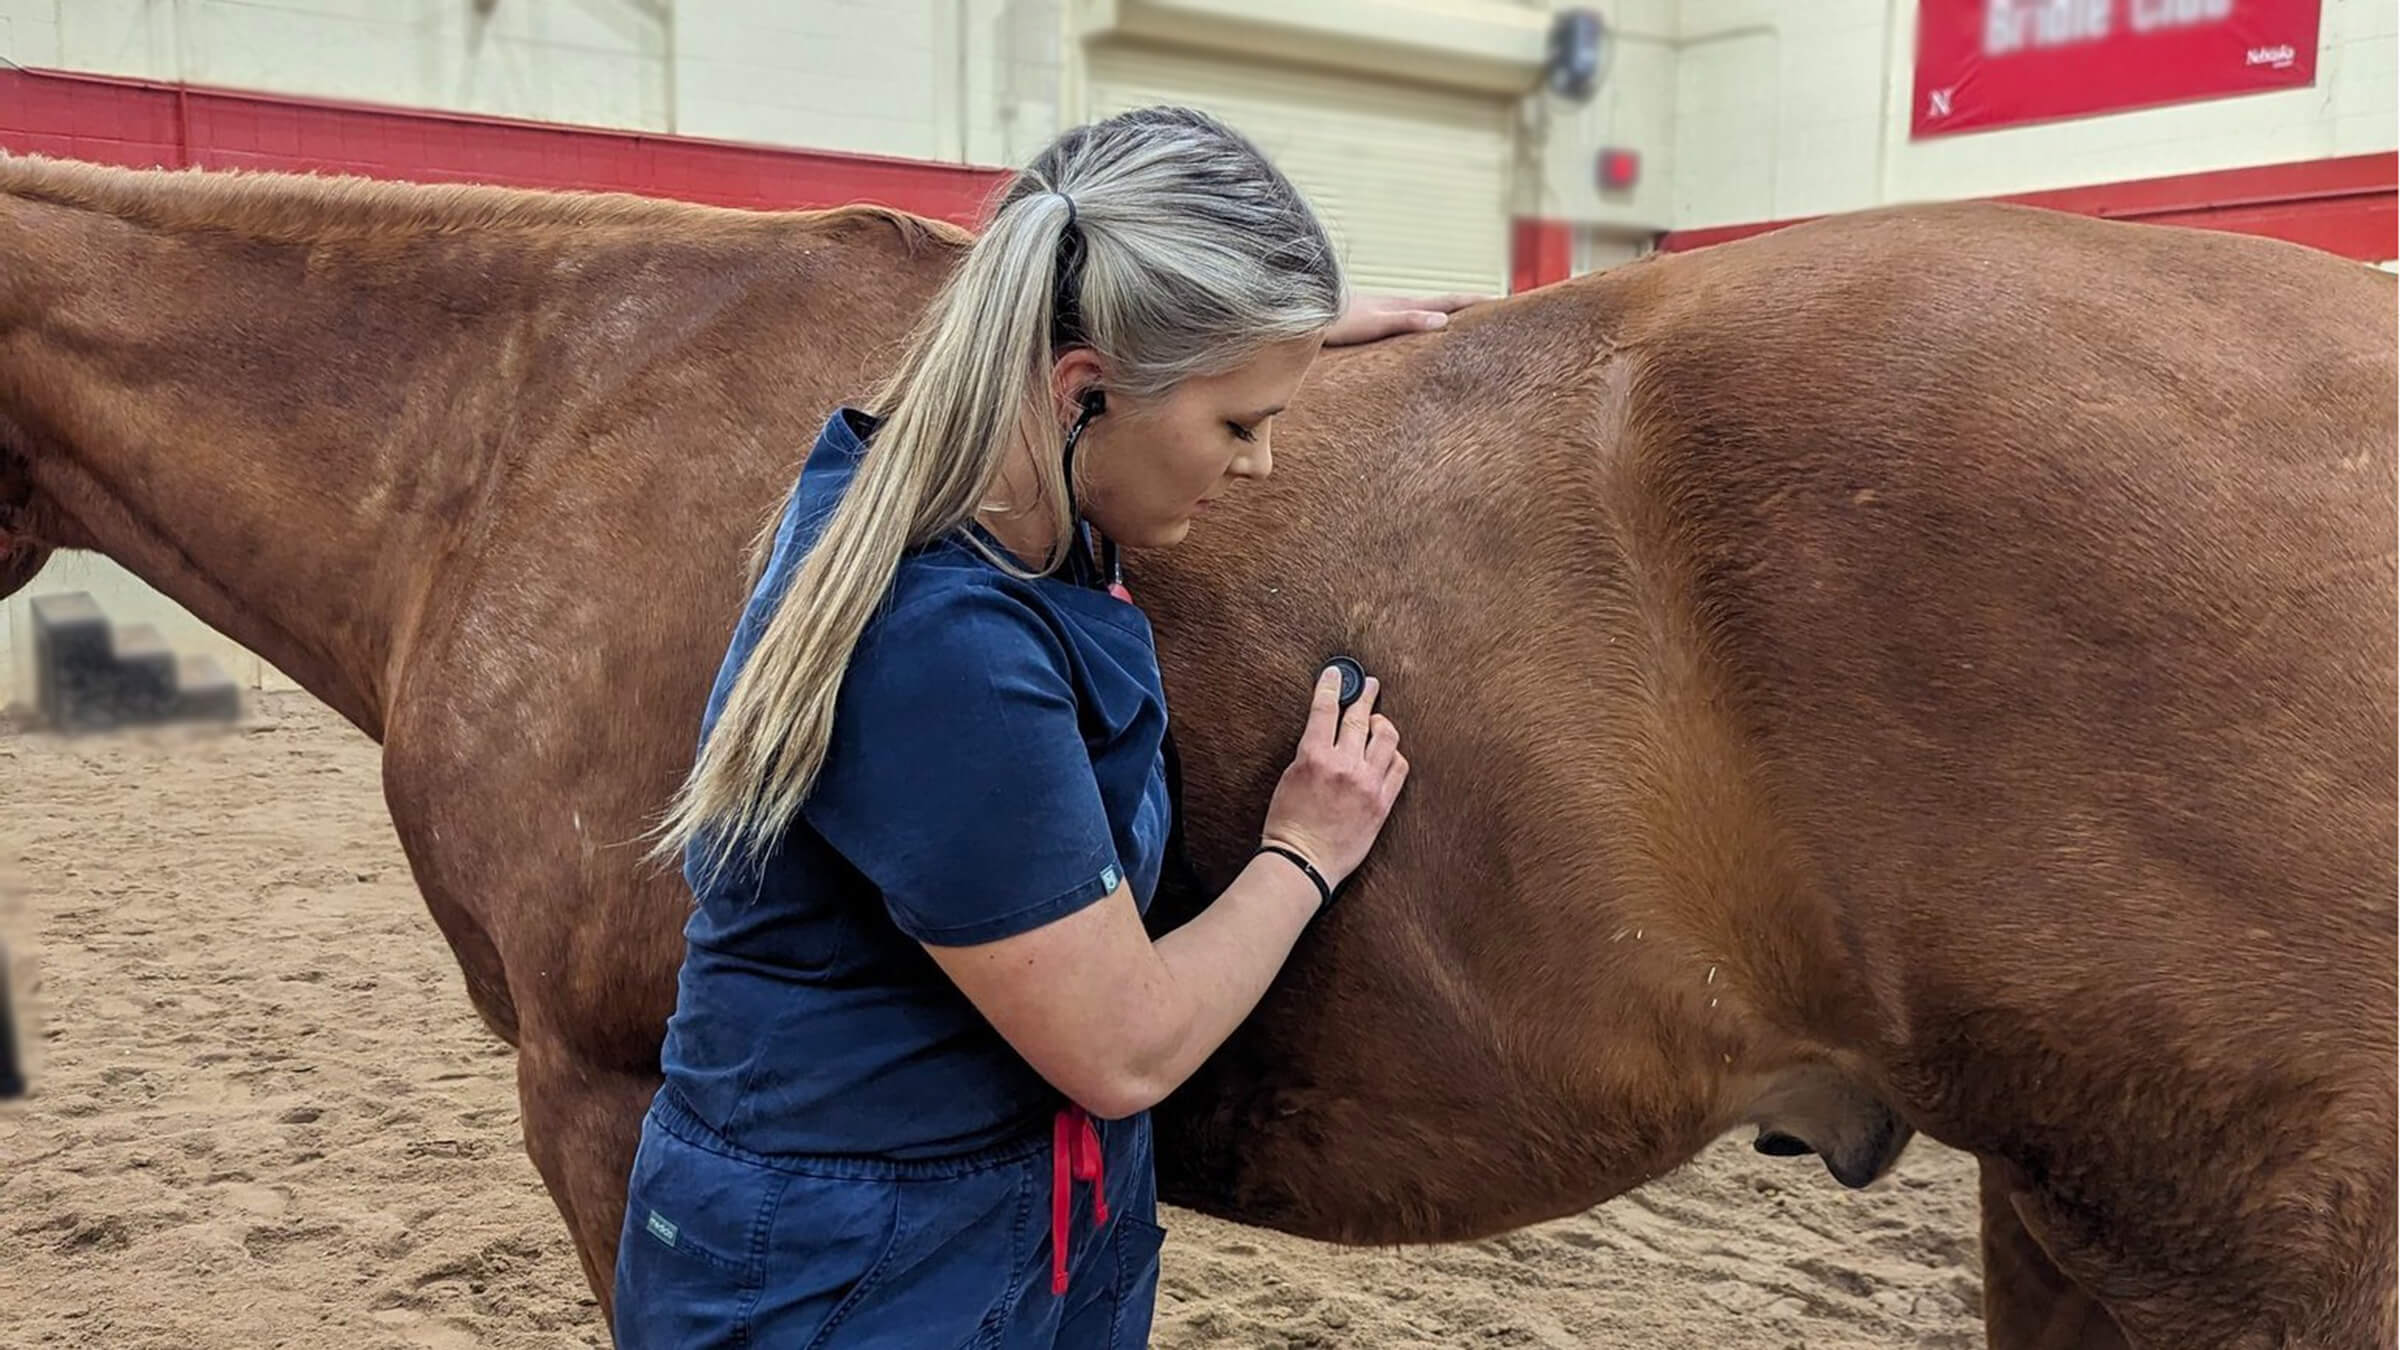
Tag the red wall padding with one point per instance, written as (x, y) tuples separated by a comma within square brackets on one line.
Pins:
[(144, 124)]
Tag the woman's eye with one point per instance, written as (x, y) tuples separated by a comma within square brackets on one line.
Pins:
[(1241, 432)]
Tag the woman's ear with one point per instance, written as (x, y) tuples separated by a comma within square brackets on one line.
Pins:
[(1075, 374)]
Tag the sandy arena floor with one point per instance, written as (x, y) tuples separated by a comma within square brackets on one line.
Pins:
[(263, 1115)]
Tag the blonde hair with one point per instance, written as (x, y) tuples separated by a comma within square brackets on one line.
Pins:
[(1162, 240)]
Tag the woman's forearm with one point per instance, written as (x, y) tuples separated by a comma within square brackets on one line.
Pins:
[(1217, 967)]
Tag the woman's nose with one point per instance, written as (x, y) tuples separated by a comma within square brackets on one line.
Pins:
[(1256, 462)]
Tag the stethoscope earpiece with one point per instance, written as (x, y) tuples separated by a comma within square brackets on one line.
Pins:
[(1094, 402)]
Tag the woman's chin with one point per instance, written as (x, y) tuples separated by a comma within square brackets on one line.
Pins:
[(1173, 534), (1163, 535)]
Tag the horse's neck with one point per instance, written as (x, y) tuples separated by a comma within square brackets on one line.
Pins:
[(267, 442)]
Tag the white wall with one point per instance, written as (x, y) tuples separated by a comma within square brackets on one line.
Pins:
[(856, 76), (1633, 108), (1800, 107), (604, 62), (955, 80), (29, 32), (978, 81), (973, 80), (1742, 110)]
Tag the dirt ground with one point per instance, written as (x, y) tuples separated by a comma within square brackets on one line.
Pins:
[(263, 1115)]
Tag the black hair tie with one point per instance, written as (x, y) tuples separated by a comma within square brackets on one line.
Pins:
[(1324, 892), (1066, 290)]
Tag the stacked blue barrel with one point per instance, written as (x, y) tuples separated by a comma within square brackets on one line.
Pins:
[(91, 675)]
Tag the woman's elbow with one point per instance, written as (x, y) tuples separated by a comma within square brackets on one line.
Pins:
[(1115, 1063), (1124, 1079), (1115, 1093)]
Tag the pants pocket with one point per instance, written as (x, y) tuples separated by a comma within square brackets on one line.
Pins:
[(1113, 1308), (1138, 1243), (958, 1254), (688, 1259), (849, 1230)]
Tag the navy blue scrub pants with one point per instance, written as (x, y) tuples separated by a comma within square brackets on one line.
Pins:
[(724, 1247)]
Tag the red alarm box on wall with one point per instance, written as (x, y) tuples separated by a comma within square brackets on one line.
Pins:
[(1619, 169)]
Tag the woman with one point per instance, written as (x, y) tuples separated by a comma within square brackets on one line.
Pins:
[(920, 1023)]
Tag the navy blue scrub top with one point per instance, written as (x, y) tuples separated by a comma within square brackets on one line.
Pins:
[(995, 765)]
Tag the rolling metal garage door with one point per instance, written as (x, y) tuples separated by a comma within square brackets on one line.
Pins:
[(1412, 181)]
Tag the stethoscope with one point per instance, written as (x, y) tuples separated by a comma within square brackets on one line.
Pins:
[(1111, 564), (1104, 553)]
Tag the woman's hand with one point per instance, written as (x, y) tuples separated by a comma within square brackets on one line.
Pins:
[(1370, 317), (1333, 799)]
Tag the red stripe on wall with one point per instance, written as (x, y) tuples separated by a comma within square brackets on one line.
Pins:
[(146, 124), (1540, 252), (2348, 205)]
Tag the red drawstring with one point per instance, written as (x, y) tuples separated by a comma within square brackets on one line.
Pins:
[(1074, 1156)]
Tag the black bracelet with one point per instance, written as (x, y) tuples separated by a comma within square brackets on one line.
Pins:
[(1324, 892)]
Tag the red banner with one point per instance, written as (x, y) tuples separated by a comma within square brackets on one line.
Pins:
[(1994, 63)]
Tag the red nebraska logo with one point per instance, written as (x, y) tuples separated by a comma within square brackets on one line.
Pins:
[(1994, 63)]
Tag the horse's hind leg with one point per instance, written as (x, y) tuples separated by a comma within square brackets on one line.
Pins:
[(583, 1122), (2028, 1302)]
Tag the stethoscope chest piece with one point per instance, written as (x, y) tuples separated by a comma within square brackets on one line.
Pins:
[(1354, 680)]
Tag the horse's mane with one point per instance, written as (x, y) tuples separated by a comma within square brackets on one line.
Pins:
[(286, 208)]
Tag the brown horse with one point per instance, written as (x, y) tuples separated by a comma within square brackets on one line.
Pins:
[(1926, 671)]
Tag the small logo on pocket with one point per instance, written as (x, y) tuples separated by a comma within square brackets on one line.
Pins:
[(1109, 879), (660, 1228)]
